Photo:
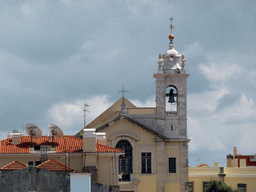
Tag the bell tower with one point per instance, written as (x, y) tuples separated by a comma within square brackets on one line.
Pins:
[(171, 93)]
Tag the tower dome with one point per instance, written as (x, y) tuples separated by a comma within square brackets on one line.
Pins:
[(171, 51)]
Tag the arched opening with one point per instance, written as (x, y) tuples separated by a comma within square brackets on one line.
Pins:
[(125, 161), (171, 98)]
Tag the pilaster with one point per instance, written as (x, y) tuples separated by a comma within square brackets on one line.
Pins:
[(184, 166), (160, 166)]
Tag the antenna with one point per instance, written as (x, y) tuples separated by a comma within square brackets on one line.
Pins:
[(199, 161), (55, 131), (85, 110), (33, 131)]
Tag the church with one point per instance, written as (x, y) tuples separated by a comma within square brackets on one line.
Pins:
[(154, 140)]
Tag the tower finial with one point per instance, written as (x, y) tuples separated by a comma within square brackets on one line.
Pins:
[(171, 37)]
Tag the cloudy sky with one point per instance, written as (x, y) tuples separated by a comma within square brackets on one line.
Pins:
[(57, 55)]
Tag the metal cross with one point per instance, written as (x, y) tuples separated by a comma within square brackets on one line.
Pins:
[(123, 91)]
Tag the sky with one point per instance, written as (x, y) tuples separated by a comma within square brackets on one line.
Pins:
[(57, 55)]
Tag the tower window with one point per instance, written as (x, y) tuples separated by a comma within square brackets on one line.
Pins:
[(172, 165), (171, 99)]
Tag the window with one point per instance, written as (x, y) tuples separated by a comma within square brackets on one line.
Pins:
[(38, 163), (205, 186), (125, 161), (145, 162), (171, 99), (190, 186), (172, 165), (37, 147), (31, 163), (241, 187)]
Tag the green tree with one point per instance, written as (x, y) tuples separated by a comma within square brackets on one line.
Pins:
[(218, 186)]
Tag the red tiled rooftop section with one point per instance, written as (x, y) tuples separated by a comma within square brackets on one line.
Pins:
[(54, 165), (106, 149), (15, 165), (202, 165), (67, 144)]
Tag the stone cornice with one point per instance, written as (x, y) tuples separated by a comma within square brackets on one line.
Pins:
[(171, 75)]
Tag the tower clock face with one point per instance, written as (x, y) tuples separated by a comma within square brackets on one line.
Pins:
[(171, 58)]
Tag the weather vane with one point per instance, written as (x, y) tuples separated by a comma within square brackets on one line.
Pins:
[(171, 37), (123, 91)]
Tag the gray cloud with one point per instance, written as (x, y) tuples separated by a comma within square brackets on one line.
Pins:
[(64, 51)]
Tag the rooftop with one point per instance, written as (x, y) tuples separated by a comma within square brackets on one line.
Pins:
[(54, 165), (67, 144), (15, 165)]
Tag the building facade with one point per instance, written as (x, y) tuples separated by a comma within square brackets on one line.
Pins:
[(88, 154), (155, 139), (240, 173)]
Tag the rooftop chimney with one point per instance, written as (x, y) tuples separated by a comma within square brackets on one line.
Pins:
[(15, 135), (89, 140), (101, 138), (234, 152)]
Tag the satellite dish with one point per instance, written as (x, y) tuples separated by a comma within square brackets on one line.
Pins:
[(33, 131), (55, 131)]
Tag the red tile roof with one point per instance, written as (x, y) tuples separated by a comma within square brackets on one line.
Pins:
[(54, 165), (202, 165), (106, 149), (67, 144), (15, 165)]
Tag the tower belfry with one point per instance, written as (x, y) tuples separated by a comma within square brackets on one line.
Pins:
[(171, 108), (171, 93)]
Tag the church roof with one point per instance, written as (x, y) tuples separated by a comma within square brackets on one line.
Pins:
[(54, 165), (67, 144), (108, 115), (15, 165), (134, 122)]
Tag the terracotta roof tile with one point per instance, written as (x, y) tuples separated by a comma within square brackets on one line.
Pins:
[(202, 165), (54, 165), (67, 144), (106, 149), (15, 165)]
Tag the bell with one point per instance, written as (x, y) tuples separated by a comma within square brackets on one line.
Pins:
[(171, 96)]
